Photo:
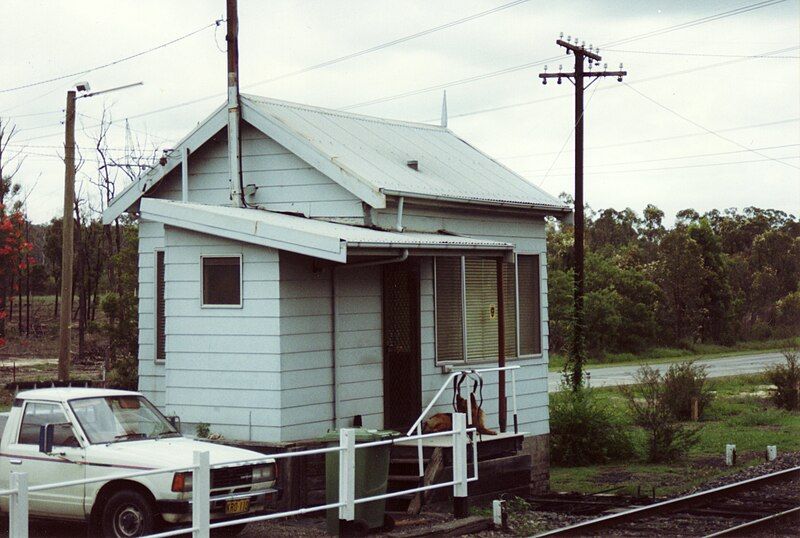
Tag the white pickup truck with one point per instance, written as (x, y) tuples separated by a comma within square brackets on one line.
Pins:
[(64, 434)]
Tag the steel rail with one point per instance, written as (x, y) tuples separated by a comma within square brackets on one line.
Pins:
[(746, 528), (673, 505)]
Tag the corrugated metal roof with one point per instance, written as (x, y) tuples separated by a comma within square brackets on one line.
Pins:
[(378, 150), (312, 237)]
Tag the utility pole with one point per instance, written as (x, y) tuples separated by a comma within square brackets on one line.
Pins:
[(67, 229), (577, 77), (68, 224), (234, 108)]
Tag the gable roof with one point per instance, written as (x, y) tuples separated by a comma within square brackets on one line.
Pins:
[(369, 157), (317, 238)]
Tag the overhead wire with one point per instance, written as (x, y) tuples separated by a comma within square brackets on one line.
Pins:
[(702, 54), (658, 139), (678, 157), (571, 131), (109, 64), (703, 127)]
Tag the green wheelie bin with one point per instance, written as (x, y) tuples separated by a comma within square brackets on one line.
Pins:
[(372, 473)]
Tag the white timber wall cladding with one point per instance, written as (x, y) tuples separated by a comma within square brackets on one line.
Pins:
[(307, 350), (529, 237), (285, 182), (223, 364), (151, 374)]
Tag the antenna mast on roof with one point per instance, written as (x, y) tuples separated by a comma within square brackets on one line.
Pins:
[(444, 109)]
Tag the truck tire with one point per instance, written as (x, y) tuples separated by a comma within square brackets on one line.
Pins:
[(127, 514)]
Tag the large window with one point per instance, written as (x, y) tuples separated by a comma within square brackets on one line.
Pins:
[(222, 281), (467, 316), (161, 318)]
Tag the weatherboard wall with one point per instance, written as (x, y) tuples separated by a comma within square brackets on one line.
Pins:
[(223, 364), (151, 373), (307, 364), (284, 181)]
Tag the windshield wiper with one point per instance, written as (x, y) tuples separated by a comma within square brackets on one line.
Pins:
[(162, 435), (127, 436)]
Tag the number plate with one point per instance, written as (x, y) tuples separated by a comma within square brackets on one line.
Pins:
[(238, 506)]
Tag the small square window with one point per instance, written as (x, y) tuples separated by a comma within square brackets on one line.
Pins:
[(222, 281)]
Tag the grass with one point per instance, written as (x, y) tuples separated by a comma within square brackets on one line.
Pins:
[(669, 355), (740, 414)]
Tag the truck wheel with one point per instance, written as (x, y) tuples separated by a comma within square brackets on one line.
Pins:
[(127, 514)]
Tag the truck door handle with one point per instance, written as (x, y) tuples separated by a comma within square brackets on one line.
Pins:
[(14, 461)]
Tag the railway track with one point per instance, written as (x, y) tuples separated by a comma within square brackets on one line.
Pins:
[(767, 505)]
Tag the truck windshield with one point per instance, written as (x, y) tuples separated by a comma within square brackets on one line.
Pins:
[(120, 418)]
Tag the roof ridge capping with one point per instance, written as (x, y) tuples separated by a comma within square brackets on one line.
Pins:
[(342, 113)]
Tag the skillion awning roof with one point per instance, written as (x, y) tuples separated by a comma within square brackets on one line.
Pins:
[(317, 238)]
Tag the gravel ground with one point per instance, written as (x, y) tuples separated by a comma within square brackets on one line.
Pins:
[(784, 461)]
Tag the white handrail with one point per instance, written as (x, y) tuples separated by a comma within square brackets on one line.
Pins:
[(457, 373)]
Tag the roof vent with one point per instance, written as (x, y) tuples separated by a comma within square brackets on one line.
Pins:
[(414, 165)]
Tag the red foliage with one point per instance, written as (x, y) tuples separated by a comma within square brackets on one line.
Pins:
[(14, 249)]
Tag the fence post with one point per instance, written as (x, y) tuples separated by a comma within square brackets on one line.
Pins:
[(347, 476), (18, 506), (460, 441), (201, 503)]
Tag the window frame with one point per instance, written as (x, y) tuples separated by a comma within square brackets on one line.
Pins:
[(241, 282), (78, 434), (155, 306), (464, 360)]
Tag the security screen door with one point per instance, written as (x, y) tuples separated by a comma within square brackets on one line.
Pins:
[(402, 376)]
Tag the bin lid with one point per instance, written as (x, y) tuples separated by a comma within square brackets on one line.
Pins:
[(363, 435)]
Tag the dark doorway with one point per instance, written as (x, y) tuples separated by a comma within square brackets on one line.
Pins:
[(402, 368)]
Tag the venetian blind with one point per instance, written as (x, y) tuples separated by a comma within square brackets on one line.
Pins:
[(449, 310), (480, 276), (530, 325), (510, 310), (161, 318)]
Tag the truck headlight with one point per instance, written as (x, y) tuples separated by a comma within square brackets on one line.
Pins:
[(264, 473), (182, 482)]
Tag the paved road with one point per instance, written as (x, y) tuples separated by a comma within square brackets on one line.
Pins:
[(721, 367)]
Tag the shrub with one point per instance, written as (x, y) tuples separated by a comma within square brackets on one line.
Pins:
[(124, 373), (786, 378), (683, 382), (668, 439), (584, 430), (203, 430)]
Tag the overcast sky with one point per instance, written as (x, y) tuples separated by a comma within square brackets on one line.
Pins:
[(647, 143)]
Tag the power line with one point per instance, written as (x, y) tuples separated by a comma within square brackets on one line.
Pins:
[(704, 55), (109, 64), (390, 43), (659, 169), (659, 139), (569, 135), (673, 28), (678, 157), (667, 29), (639, 81), (335, 60), (710, 131)]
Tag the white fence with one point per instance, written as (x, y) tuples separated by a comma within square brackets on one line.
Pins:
[(201, 483)]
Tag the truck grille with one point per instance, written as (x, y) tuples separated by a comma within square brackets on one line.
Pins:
[(231, 477)]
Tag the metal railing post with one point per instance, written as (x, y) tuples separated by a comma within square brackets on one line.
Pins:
[(18, 506), (201, 503), (347, 476), (460, 441), (514, 399)]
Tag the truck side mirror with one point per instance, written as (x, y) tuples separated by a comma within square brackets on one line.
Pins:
[(46, 432), (175, 420)]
